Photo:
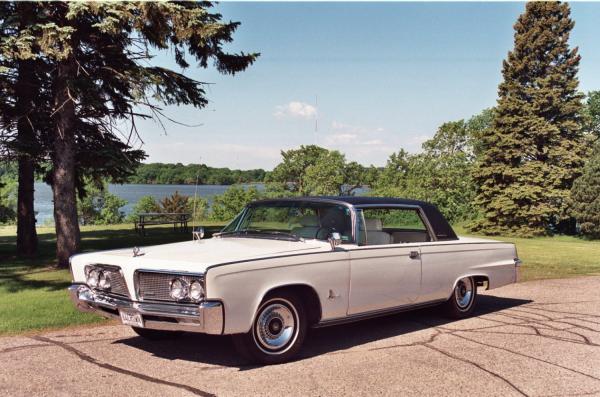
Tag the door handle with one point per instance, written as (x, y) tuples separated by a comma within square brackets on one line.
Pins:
[(413, 254)]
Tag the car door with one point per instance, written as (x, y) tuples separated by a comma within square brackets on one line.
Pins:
[(383, 276)]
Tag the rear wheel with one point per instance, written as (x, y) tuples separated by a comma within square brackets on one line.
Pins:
[(155, 334), (278, 330), (462, 301)]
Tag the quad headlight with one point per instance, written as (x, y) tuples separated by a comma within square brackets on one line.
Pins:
[(179, 289), (104, 281), (98, 278), (196, 291), (93, 278)]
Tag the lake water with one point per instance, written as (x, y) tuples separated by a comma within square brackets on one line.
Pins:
[(131, 193)]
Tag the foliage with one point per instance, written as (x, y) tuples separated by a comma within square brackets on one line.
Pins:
[(174, 203), (179, 174), (535, 149), (144, 204), (442, 180), (198, 207), (100, 207), (8, 199), (592, 114), (586, 196), (451, 137), (325, 176), (313, 170), (440, 175), (94, 74), (227, 205)]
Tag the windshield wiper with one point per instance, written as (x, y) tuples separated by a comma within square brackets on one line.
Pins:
[(250, 232)]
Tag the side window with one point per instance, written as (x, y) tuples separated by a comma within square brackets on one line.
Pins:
[(394, 226)]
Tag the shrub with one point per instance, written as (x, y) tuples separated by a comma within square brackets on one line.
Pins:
[(198, 207), (227, 205), (100, 207), (175, 203), (144, 204), (8, 199)]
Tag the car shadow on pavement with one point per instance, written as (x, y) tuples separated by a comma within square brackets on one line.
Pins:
[(219, 350)]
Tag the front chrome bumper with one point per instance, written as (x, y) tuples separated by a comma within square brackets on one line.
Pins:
[(206, 317)]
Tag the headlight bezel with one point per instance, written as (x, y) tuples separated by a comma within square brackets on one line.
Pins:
[(104, 282), (92, 277), (182, 286), (104, 277), (198, 287)]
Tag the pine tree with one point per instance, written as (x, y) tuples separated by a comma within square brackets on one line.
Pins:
[(20, 122), (100, 74), (535, 149), (586, 196)]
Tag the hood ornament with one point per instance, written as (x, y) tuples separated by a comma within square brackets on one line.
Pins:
[(136, 252)]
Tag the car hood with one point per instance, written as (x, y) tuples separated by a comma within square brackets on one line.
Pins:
[(196, 256)]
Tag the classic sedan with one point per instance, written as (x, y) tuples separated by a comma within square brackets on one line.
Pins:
[(285, 265)]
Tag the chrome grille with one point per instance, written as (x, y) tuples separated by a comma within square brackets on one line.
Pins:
[(157, 285), (118, 286)]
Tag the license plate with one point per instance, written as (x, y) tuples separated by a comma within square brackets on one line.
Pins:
[(131, 318)]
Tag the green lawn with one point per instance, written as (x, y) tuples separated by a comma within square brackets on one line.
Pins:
[(554, 257), (33, 295)]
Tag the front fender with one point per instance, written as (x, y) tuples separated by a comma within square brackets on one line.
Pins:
[(242, 286)]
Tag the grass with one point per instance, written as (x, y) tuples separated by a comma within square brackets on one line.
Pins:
[(553, 257), (33, 296)]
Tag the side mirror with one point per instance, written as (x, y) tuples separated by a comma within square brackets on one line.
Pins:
[(335, 239), (198, 233)]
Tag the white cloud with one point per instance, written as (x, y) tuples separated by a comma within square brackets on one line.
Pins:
[(335, 139), (296, 110), (373, 142), (369, 144), (347, 135)]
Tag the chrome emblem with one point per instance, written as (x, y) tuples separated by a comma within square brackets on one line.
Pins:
[(136, 252)]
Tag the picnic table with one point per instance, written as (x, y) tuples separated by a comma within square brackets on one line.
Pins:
[(179, 220)]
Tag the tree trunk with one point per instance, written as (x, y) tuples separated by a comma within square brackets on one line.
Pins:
[(25, 91), (26, 234), (63, 161)]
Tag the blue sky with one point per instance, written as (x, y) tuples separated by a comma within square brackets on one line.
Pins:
[(376, 77)]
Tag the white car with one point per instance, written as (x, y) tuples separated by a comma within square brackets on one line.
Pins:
[(285, 265)]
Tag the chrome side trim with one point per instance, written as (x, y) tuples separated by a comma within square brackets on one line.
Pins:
[(376, 313), (206, 317), (349, 248)]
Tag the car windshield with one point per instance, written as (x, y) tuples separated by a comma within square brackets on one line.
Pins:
[(291, 220)]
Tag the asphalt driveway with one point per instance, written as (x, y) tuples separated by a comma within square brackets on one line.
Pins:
[(537, 339)]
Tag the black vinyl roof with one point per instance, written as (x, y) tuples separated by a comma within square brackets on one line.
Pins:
[(441, 227)]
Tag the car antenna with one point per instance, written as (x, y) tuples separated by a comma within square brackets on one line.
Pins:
[(196, 234)]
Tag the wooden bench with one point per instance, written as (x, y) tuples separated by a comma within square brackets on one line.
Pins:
[(179, 221)]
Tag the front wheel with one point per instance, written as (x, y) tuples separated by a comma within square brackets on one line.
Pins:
[(278, 330), (462, 301)]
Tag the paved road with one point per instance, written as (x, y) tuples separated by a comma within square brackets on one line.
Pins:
[(536, 339)]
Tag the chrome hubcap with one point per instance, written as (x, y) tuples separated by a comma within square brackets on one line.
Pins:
[(463, 292), (276, 326)]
